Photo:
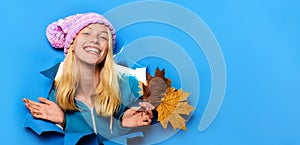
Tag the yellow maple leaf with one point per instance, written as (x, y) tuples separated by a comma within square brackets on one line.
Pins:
[(172, 105)]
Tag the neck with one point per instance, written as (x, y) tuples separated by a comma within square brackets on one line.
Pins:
[(89, 79)]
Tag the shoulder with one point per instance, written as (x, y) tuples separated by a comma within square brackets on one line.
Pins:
[(129, 87), (132, 74), (128, 79)]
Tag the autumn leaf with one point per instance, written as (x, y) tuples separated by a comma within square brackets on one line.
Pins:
[(154, 89), (169, 102), (172, 106), (161, 74), (157, 87)]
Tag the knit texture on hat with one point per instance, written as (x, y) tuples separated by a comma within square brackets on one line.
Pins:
[(61, 34)]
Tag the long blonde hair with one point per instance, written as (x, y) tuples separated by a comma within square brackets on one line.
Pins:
[(107, 99)]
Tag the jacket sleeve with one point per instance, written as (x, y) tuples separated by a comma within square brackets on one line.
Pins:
[(130, 94), (129, 87)]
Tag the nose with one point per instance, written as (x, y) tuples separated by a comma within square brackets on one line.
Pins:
[(95, 39)]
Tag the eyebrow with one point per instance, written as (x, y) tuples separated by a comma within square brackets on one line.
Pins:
[(101, 31), (104, 32)]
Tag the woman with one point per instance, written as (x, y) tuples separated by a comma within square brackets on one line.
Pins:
[(91, 94)]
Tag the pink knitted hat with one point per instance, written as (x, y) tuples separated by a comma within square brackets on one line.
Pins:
[(61, 34)]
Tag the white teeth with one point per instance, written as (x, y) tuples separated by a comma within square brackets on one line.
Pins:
[(92, 50)]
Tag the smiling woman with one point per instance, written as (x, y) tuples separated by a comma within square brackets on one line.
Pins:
[(90, 95), (94, 40)]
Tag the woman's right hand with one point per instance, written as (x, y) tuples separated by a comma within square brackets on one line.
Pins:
[(46, 109)]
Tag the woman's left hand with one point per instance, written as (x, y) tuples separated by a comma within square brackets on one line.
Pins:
[(133, 117)]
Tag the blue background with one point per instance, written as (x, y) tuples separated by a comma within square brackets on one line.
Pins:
[(259, 40)]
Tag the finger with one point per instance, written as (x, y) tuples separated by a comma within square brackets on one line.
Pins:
[(25, 100), (34, 113), (34, 105), (149, 113), (28, 106), (38, 115), (33, 109), (143, 123), (147, 105), (135, 108), (44, 100), (37, 108), (146, 118), (27, 103)]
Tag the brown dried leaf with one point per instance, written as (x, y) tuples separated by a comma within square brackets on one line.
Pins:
[(161, 74), (157, 87), (154, 89)]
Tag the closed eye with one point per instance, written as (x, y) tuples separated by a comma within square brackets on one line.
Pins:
[(104, 38), (86, 33)]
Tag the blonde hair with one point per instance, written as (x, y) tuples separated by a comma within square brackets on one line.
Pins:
[(107, 99)]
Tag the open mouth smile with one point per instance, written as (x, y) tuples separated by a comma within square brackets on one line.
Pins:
[(92, 50)]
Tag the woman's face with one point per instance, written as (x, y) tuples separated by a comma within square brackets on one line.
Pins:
[(91, 44)]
